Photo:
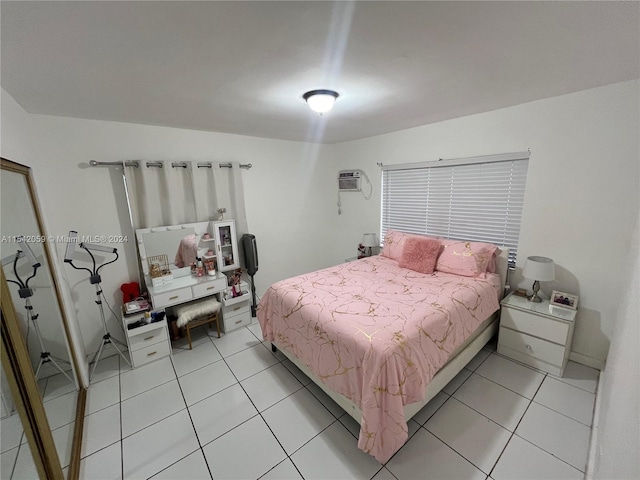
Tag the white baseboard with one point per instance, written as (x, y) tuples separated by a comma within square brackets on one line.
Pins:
[(585, 360), (593, 441)]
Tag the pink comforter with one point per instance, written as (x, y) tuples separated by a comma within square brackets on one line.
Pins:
[(377, 334)]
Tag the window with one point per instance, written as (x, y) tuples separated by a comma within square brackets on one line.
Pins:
[(477, 199)]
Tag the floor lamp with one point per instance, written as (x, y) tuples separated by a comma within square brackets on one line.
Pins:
[(94, 279), (26, 292)]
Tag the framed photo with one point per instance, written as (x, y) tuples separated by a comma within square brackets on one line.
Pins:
[(564, 300)]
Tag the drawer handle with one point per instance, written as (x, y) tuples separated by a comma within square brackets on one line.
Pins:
[(152, 353), (237, 308), (174, 297), (210, 288), (149, 338), (238, 321), (528, 347)]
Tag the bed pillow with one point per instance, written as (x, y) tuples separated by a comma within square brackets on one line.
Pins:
[(420, 254), (394, 242), (469, 259)]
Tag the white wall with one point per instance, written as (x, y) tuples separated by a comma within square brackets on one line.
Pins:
[(288, 207), (618, 435), (582, 189), (19, 142), (581, 200)]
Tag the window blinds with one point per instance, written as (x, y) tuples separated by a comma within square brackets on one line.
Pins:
[(478, 199)]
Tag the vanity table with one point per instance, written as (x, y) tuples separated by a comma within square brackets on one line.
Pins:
[(212, 240)]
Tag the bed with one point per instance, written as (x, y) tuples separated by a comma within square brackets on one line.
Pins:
[(382, 340)]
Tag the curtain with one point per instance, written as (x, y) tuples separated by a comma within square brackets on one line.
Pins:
[(184, 192)]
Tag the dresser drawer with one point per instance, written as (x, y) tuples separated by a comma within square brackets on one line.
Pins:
[(148, 335), (232, 322), (536, 325), (529, 346), (240, 308), (150, 353), (171, 298), (209, 288)]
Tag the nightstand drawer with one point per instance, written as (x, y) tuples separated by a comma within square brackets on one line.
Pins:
[(150, 353), (531, 346), (148, 336), (173, 297), (536, 325)]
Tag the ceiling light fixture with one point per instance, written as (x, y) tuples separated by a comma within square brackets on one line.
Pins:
[(320, 101)]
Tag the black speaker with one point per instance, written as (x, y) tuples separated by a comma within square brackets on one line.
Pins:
[(250, 253)]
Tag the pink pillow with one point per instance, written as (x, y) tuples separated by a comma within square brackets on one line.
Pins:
[(394, 243), (420, 254), (469, 259)]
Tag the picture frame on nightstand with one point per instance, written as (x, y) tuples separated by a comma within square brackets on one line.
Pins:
[(563, 300)]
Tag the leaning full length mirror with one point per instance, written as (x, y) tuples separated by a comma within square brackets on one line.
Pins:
[(16, 460), (25, 263)]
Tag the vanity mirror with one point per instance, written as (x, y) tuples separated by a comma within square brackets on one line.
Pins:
[(180, 243), (34, 329)]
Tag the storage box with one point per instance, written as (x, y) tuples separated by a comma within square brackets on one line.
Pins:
[(162, 280)]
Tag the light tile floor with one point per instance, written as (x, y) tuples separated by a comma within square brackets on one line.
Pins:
[(230, 408)]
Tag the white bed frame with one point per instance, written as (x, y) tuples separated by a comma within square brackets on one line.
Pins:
[(440, 379)]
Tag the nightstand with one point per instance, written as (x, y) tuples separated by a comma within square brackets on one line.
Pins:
[(533, 334), (148, 342)]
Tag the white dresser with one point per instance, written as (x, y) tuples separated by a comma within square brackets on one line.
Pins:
[(146, 343), (236, 312), (533, 334)]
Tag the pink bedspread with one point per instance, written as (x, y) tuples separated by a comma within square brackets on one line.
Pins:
[(377, 334)]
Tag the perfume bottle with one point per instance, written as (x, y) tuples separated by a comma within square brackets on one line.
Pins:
[(199, 268)]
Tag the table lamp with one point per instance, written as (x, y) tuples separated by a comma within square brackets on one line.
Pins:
[(539, 269), (369, 240)]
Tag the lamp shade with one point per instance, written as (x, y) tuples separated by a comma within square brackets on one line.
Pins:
[(539, 268), (369, 240), (320, 101)]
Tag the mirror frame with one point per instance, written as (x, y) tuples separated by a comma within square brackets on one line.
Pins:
[(20, 374)]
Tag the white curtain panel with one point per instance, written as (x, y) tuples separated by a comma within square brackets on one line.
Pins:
[(174, 195)]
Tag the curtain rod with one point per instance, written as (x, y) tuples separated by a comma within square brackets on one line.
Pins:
[(136, 164), (246, 166), (127, 163), (446, 162)]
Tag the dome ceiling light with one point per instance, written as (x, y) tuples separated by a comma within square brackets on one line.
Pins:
[(320, 101)]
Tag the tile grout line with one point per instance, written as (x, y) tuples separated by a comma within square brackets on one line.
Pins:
[(192, 426), (530, 442), (515, 428), (120, 405)]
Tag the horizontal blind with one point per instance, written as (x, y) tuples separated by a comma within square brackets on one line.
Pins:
[(478, 201)]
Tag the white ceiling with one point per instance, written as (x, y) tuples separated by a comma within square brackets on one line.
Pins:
[(242, 67)]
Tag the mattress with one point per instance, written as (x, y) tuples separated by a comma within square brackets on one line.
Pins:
[(377, 334)]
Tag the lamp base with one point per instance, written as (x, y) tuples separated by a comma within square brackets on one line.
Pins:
[(536, 288), (534, 298)]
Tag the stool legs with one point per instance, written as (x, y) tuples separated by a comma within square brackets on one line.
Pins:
[(203, 321)]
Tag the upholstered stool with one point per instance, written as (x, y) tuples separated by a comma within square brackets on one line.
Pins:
[(196, 314)]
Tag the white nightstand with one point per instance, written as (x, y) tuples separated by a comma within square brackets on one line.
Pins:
[(147, 343), (531, 333)]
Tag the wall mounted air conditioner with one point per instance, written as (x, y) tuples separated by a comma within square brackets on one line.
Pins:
[(349, 181)]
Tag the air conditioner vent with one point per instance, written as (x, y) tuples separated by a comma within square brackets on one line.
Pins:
[(349, 181)]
